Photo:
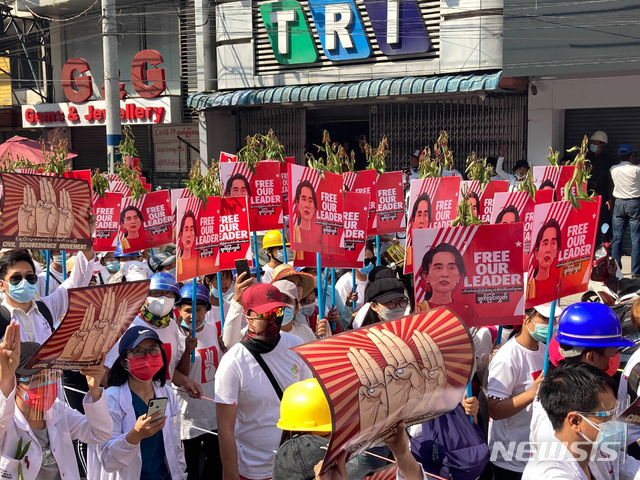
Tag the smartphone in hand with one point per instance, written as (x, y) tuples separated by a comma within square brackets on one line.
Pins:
[(242, 265), (157, 405)]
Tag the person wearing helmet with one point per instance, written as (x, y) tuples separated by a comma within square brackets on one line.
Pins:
[(163, 262), (600, 180), (515, 373), (106, 268), (587, 333), (198, 416), (293, 321), (157, 314), (249, 384), (272, 244)]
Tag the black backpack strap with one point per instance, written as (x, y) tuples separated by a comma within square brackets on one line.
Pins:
[(5, 319), (267, 372), (46, 313)]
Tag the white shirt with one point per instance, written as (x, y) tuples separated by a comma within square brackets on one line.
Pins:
[(512, 179), (66, 424), (234, 322), (241, 381), (170, 338), (344, 286), (55, 280), (199, 412), (633, 431), (626, 180), (267, 273), (33, 326), (117, 459), (558, 464), (300, 329), (102, 274), (510, 374)]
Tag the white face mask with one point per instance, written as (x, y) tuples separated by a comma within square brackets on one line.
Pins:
[(57, 259), (391, 313), (160, 306), (307, 310), (229, 295)]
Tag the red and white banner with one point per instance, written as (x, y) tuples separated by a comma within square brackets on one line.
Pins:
[(234, 232), (554, 179), (433, 203), (177, 194), (481, 200), (475, 271), (364, 181), (107, 211), (562, 247), (316, 204), (284, 180), (146, 223), (390, 217), (262, 188), (197, 237)]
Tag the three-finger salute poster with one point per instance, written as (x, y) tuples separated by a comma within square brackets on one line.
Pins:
[(412, 369), (46, 213), (95, 320)]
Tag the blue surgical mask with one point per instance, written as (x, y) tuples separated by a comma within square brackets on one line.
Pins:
[(593, 148), (214, 292), (288, 316), (307, 310), (540, 332), (113, 267), (367, 270), (611, 434), (23, 292)]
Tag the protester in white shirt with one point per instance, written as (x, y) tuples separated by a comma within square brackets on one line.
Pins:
[(105, 267), (292, 321), (42, 424), (247, 405), (344, 286), (157, 314), (235, 320), (520, 170), (140, 446), (580, 402), (19, 282), (55, 275), (272, 244), (515, 373), (198, 415), (213, 316)]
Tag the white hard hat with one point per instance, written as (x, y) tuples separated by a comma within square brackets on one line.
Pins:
[(545, 310), (600, 136), (416, 153)]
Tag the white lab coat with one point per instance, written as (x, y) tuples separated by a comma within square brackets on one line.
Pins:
[(65, 425), (33, 326), (117, 459)]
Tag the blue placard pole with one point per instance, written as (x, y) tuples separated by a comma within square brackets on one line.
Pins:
[(499, 339), (320, 291), (469, 395), (64, 265), (355, 286), (220, 302), (552, 316), (284, 247), (194, 286), (255, 257), (378, 256), (47, 255)]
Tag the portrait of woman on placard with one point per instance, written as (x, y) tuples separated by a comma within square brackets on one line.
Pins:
[(238, 186), (545, 279), (131, 223), (509, 214), (306, 233), (187, 261), (420, 218)]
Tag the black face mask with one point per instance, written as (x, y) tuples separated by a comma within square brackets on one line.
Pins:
[(264, 343)]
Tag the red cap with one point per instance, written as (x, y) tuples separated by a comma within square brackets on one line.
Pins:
[(261, 298)]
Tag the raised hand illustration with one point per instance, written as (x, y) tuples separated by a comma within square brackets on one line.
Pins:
[(100, 330), (27, 212), (402, 376), (373, 402), (47, 213), (209, 366), (115, 327), (434, 370), (76, 344), (66, 220)]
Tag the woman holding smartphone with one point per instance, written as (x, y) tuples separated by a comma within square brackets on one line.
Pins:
[(143, 445)]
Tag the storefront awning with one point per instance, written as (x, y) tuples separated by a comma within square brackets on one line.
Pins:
[(346, 91)]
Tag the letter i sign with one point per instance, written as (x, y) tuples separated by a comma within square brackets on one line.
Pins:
[(288, 32)]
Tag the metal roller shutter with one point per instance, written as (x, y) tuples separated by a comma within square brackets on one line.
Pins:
[(620, 125), (91, 145), (288, 124)]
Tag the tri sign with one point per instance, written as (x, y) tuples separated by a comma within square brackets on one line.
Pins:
[(397, 24)]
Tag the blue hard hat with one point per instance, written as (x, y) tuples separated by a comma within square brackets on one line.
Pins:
[(625, 149), (164, 281), (118, 253), (590, 325), (202, 294)]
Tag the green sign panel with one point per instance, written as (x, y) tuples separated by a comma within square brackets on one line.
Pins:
[(288, 32)]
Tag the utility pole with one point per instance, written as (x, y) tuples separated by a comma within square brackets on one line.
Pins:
[(111, 80)]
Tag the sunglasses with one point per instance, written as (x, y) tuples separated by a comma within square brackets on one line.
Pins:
[(16, 278), (271, 315), (367, 261)]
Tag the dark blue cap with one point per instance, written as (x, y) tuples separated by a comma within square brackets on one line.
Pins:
[(133, 337)]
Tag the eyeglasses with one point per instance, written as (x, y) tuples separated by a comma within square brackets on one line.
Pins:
[(161, 293), (16, 278), (398, 302), (271, 315), (141, 352), (367, 261), (605, 415)]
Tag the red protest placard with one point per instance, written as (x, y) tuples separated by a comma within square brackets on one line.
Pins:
[(234, 232), (390, 216), (146, 223), (364, 181), (107, 211), (79, 175), (197, 237), (411, 369), (433, 203), (563, 240), (227, 157), (45, 213), (481, 199), (96, 318), (513, 207), (263, 189), (475, 271), (317, 207), (177, 194), (554, 179), (120, 187), (284, 180)]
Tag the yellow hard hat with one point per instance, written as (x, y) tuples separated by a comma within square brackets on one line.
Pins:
[(273, 238), (304, 408)]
